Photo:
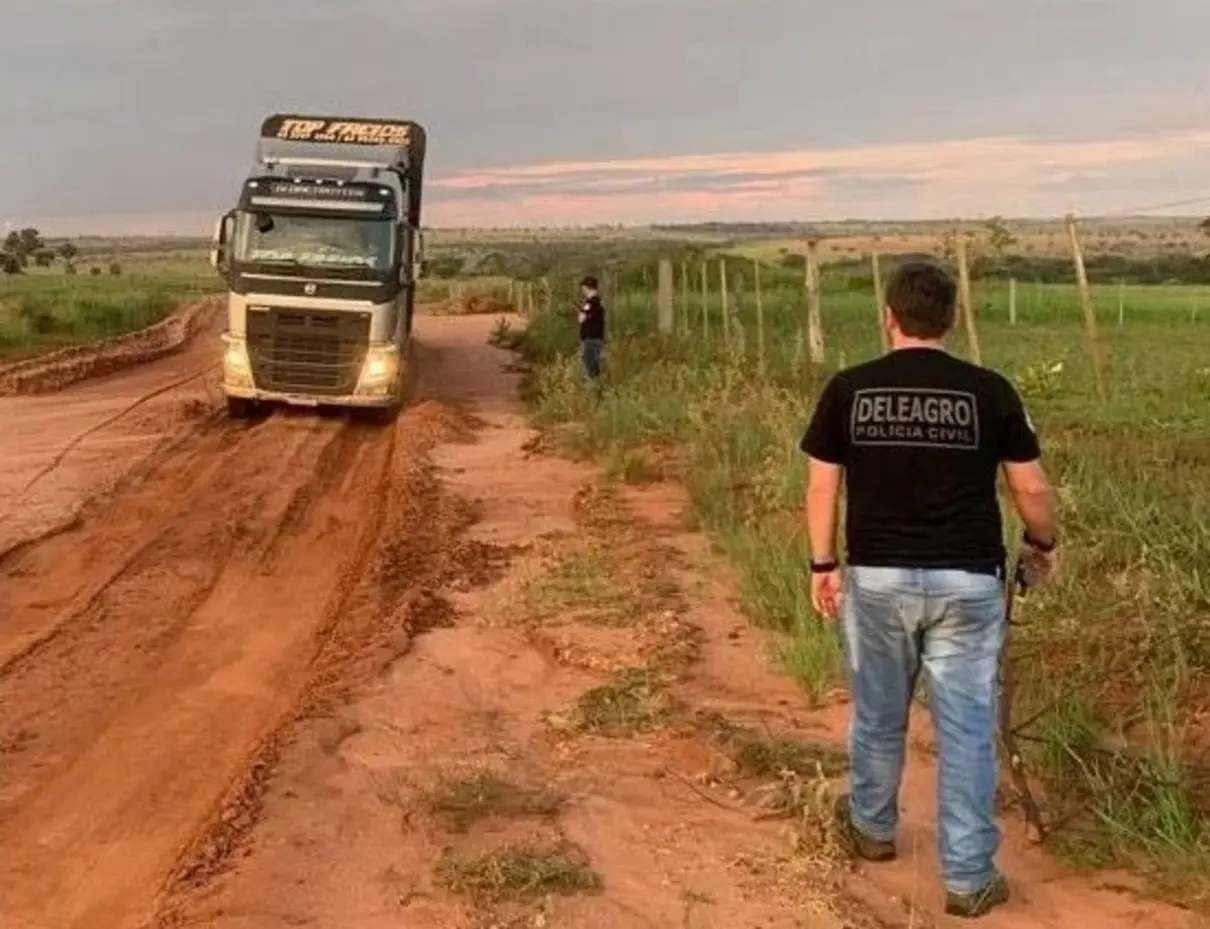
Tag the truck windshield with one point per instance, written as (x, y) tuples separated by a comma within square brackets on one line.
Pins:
[(315, 241)]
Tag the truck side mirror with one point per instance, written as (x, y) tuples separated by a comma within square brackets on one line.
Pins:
[(418, 253), (222, 238)]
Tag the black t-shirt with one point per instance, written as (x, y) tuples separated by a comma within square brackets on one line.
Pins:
[(921, 435), (593, 324)]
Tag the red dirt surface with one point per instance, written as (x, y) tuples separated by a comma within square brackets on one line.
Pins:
[(235, 659)]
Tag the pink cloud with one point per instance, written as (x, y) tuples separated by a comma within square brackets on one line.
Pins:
[(957, 177), (964, 177), (955, 157)]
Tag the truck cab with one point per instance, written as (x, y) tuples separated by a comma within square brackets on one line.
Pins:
[(321, 257)]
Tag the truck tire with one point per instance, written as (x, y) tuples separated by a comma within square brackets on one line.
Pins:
[(240, 408)]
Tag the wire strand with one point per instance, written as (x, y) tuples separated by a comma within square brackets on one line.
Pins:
[(1152, 207)]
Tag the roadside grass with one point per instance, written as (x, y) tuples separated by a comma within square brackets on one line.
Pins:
[(517, 874), (634, 702), (465, 800), (603, 587), (43, 310), (583, 581), (764, 755), (1112, 659)]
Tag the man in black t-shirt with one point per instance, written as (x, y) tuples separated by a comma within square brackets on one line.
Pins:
[(919, 436), (592, 331)]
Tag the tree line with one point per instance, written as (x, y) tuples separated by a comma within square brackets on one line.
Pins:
[(25, 247)]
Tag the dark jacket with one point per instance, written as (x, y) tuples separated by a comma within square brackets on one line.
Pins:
[(592, 318)]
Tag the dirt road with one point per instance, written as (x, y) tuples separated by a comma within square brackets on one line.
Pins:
[(306, 672), (154, 642), (60, 449)]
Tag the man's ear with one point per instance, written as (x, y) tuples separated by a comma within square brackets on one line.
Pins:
[(888, 320)]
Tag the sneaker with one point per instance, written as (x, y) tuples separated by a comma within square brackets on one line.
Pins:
[(856, 841), (978, 903)]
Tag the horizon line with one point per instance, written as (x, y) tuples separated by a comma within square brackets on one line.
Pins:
[(668, 225), (1056, 218)]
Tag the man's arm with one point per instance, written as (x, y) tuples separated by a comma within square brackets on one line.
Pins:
[(1033, 499), (825, 444), (822, 503), (1021, 458)]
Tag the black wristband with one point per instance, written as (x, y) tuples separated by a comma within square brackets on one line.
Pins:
[(1044, 548), (823, 567)]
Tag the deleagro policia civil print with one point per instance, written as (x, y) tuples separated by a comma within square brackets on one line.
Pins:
[(916, 416)]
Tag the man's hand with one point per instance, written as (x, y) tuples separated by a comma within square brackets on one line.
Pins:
[(827, 593), (1039, 566)]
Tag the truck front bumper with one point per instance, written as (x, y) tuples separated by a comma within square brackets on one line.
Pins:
[(310, 401), (379, 385)]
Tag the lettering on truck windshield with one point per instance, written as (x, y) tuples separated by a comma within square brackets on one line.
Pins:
[(315, 241)]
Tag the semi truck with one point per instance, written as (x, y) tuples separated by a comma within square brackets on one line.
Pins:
[(321, 257)]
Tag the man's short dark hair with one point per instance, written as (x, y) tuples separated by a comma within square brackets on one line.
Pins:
[(589, 282), (923, 299)]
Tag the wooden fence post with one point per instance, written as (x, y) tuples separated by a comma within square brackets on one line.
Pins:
[(664, 295), (684, 301), (879, 303), (760, 319), (1090, 313), (815, 334), (1012, 301), (726, 319), (968, 308), (705, 299)]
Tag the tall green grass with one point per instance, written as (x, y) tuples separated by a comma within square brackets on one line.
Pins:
[(1112, 658), (42, 310)]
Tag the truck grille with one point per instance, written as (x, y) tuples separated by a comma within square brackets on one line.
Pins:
[(307, 351)]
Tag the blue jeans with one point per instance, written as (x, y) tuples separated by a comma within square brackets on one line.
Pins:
[(895, 622), (590, 359)]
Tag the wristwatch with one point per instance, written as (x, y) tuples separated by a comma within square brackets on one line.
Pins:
[(823, 567)]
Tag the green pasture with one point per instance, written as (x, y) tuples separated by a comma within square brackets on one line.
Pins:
[(47, 308), (1114, 658)]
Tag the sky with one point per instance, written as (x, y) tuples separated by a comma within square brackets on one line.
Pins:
[(142, 115)]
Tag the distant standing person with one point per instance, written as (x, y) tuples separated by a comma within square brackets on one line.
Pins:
[(919, 436), (592, 331)]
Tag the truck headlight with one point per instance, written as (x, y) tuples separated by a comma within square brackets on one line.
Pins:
[(237, 369), (380, 367), (236, 358), (379, 370)]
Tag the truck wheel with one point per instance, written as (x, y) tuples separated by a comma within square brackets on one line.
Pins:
[(240, 408)]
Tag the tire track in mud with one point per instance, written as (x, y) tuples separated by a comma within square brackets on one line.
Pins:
[(158, 458), (179, 644), (164, 577), (369, 620), (333, 463), (100, 549), (97, 427), (235, 813), (143, 644)]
